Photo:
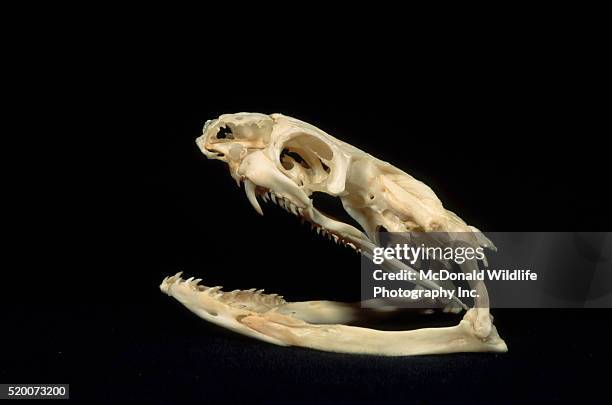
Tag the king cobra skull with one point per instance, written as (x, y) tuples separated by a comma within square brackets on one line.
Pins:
[(285, 160)]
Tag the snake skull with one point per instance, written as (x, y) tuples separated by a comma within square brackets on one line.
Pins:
[(285, 161)]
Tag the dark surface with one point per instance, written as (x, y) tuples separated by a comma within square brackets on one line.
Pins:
[(160, 351), (109, 194)]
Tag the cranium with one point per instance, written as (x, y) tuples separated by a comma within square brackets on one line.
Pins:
[(284, 160)]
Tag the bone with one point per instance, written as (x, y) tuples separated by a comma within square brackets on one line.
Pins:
[(374, 193), (351, 339), (316, 324)]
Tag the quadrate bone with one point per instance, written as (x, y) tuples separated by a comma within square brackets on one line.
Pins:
[(284, 161)]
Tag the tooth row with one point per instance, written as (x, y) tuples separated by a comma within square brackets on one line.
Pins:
[(283, 202), (252, 296), (331, 236), (288, 206)]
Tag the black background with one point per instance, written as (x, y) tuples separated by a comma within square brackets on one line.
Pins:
[(109, 194)]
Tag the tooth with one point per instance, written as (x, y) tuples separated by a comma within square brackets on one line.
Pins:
[(265, 197), (213, 291), (249, 189), (335, 238), (273, 197), (318, 231), (294, 209)]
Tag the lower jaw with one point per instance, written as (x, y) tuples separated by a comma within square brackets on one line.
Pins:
[(319, 324)]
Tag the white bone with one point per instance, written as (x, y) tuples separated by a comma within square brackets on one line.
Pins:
[(315, 324), (262, 151)]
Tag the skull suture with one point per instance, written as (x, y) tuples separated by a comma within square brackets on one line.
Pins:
[(285, 160)]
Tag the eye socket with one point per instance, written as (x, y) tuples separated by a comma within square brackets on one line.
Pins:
[(295, 156), (225, 133), (308, 155)]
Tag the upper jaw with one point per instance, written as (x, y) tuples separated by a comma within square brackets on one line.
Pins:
[(262, 179), (338, 231)]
